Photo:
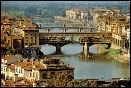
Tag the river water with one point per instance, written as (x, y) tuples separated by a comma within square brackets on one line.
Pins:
[(87, 65)]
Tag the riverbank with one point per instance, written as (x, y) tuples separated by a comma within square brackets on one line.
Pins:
[(101, 49), (114, 52)]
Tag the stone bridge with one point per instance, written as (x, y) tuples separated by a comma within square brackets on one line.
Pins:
[(86, 39), (64, 27)]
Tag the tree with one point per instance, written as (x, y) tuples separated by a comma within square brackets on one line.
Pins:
[(63, 13), (39, 10), (44, 13), (61, 80), (17, 14)]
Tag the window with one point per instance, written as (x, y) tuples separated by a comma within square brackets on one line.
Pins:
[(26, 43), (68, 72), (52, 74), (44, 75), (1, 68), (30, 74), (33, 74), (5, 68), (37, 75), (21, 71), (13, 71)]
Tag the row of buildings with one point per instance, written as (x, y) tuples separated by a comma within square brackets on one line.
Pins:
[(77, 14), (110, 20), (14, 33), (25, 72), (106, 20), (16, 71)]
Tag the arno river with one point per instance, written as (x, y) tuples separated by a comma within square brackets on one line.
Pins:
[(87, 66)]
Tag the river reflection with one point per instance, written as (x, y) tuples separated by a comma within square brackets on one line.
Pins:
[(89, 64)]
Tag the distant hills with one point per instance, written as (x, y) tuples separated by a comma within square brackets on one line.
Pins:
[(66, 2)]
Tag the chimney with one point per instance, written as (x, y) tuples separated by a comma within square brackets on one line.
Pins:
[(16, 77)]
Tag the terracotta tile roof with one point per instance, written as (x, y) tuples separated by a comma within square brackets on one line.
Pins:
[(16, 37), (11, 83), (119, 34), (8, 83), (25, 65), (28, 67), (21, 64), (11, 66), (120, 17), (5, 22), (9, 17), (70, 67), (127, 25), (113, 22), (30, 82), (21, 83), (2, 33), (38, 65), (7, 57)]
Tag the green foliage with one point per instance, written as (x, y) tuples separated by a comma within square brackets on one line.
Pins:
[(17, 14), (55, 9)]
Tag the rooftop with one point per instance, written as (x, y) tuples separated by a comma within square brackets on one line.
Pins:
[(7, 57), (5, 22), (11, 67), (16, 37), (122, 35), (11, 83)]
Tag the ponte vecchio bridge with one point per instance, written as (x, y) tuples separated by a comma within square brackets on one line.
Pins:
[(86, 39)]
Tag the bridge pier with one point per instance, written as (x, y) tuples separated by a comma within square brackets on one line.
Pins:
[(64, 30), (58, 48), (91, 29), (79, 30), (48, 30), (39, 25), (71, 38), (86, 47)]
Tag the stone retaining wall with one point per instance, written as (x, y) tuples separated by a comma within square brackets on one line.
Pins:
[(101, 49)]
